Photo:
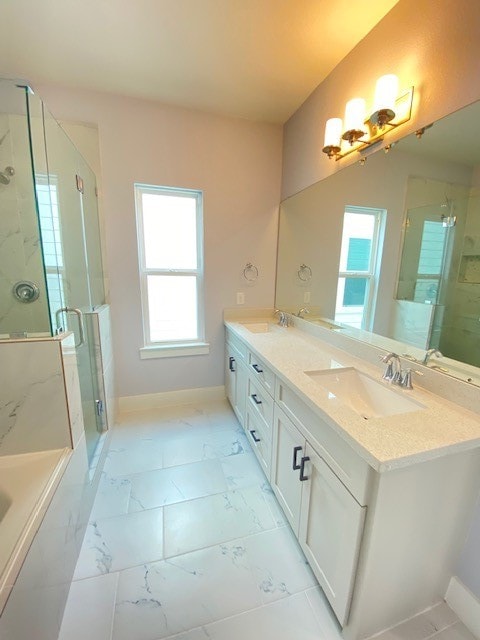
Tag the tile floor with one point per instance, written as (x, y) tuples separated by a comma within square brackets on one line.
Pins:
[(187, 541)]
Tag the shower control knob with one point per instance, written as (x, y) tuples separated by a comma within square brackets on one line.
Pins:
[(25, 291)]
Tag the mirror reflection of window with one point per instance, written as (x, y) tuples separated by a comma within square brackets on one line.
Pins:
[(431, 262), (357, 277)]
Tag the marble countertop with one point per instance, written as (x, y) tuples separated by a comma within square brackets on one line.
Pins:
[(438, 428)]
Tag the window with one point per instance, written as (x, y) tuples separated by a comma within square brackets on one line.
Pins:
[(357, 272), (49, 217), (170, 244)]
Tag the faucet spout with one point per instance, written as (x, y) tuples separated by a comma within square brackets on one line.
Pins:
[(302, 311), (430, 353)]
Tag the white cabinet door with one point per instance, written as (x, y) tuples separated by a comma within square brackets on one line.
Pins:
[(259, 440), (236, 382), (288, 449), (331, 526)]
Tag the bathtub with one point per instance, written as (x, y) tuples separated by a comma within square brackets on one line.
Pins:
[(27, 484)]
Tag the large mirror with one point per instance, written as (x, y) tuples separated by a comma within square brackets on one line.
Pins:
[(390, 248)]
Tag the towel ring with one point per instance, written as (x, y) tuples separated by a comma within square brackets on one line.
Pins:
[(304, 273), (250, 272)]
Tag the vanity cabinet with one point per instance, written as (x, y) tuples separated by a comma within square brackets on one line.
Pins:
[(382, 544), (325, 516), (236, 375)]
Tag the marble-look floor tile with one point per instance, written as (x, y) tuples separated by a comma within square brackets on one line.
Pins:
[(112, 498), (289, 618), (457, 631), (324, 614), (124, 541), (136, 457), (272, 502), (158, 600), (196, 447), (89, 609), (277, 563), (425, 625), (190, 525), (176, 484), (242, 471), (196, 588)]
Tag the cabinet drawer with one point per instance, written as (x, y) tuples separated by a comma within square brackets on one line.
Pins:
[(259, 441), (260, 404), (240, 348), (262, 373), (340, 457)]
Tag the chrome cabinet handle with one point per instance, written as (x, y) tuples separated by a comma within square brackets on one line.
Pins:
[(295, 465), (81, 329), (255, 398), (231, 362), (252, 433), (303, 477), (257, 368)]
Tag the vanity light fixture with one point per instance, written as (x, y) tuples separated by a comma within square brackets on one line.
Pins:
[(359, 131)]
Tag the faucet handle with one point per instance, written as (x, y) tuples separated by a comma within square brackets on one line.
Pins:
[(388, 373)]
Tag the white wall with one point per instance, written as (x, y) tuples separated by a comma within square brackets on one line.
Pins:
[(238, 166)]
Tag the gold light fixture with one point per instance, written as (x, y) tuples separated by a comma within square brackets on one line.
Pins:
[(354, 120), (360, 131)]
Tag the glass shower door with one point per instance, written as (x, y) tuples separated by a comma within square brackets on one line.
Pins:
[(66, 176)]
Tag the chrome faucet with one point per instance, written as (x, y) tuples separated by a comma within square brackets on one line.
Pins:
[(302, 311), (430, 353), (393, 372), (283, 318)]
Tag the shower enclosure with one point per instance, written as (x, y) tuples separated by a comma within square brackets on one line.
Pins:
[(51, 276)]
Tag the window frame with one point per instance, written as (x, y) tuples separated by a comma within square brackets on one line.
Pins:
[(168, 348), (372, 275)]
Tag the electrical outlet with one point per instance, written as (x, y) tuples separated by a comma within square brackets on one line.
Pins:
[(306, 296), (240, 297)]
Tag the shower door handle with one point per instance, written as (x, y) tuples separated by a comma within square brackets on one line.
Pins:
[(81, 329)]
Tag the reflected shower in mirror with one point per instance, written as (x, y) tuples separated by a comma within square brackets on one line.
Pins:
[(416, 279)]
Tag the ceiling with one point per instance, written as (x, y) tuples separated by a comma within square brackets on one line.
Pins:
[(256, 59)]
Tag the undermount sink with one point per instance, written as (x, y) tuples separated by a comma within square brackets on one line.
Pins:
[(256, 327), (364, 395)]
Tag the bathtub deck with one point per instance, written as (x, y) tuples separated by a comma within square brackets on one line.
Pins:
[(27, 484)]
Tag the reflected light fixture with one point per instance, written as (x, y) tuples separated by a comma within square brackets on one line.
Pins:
[(359, 130)]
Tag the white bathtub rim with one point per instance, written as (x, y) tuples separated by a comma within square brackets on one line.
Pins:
[(20, 550)]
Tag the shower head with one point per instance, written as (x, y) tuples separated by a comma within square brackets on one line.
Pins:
[(6, 174)]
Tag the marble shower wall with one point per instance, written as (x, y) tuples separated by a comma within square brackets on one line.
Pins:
[(40, 404), (20, 247), (461, 333)]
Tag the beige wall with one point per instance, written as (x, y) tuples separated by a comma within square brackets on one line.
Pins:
[(238, 166), (432, 45)]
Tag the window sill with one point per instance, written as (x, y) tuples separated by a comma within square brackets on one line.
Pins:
[(174, 350)]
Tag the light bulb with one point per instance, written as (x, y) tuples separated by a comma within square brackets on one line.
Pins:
[(386, 91), (354, 120), (333, 132)]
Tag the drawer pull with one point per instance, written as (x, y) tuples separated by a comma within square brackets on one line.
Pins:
[(295, 465), (303, 477), (231, 362), (257, 368), (252, 433), (255, 398)]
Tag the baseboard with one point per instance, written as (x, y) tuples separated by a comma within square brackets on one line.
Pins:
[(170, 398), (465, 604)]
